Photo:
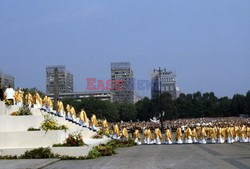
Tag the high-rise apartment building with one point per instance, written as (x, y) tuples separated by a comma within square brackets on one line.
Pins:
[(59, 77), (164, 81), (123, 82), (6, 80)]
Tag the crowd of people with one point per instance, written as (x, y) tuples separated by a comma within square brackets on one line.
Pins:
[(199, 130), (183, 123), (194, 130)]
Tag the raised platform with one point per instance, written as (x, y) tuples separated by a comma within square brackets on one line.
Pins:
[(69, 151), (15, 138), (32, 138), (19, 123)]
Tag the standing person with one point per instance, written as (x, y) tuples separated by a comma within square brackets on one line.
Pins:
[(158, 136), (93, 123), (168, 136), (137, 137), (1, 93), (178, 136), (19, 97), (10, 94)]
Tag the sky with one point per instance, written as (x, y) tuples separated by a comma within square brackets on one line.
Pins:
[(206, 43)]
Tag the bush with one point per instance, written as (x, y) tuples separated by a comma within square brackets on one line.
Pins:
[(97, 136), (104, 132), (73, 140), (38, 153), (7, 102), (94, 153), (72, 158), (33, 129), (109, 148), (106, 150), (8, 157), (23, 111), (51, 124)]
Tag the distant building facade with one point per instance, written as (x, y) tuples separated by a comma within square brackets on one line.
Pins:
[(6, 80), (99, 95), (164, 81), (122, 71), (64, 80)]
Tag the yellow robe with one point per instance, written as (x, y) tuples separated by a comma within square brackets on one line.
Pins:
[(178, 134), (137, 135), (158, 133), (93, 120), (105, 124), (168, 134), (116, 130), (125, 133), (83, 116)]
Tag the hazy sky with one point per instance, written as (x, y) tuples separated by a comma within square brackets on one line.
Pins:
[(206, 42)]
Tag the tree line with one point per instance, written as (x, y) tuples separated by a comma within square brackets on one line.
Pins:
[(186, 106)]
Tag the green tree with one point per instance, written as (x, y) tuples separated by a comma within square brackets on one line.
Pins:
[(224, 108), (248, 102), (144, 109), (238, 105), (127, 111)]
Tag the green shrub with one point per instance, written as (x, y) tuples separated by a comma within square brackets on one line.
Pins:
[(8, 157), (73, 140), (120, 143), (94, 153), (106, 150), (51, 124), (33, 129), (23, 111), (97, 136), (72, 158), (38, 153)]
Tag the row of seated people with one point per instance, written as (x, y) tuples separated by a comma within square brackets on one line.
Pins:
[(46, 105), (198, 134)]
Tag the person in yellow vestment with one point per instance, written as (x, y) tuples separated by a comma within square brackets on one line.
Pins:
[(49, 105), (60, 109), (137, 137), (124, 135), (203, 135), (213, 134), (28, 100), (220, 138), (184, 135), (93, 123), (229, 132), (68, 116), (44, 103), (236, 133), (194, 135), (189, 136), (73, 114), (105, 127), (243, 136), (36, 101), (19, 97), (83, 118), (149, 137), (168, 136), (116, 134), (158, 136), (178, 136)]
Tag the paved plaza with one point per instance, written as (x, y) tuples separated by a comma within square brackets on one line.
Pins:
[(209, 156)]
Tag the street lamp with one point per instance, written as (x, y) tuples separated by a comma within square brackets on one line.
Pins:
[(159, 102)]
